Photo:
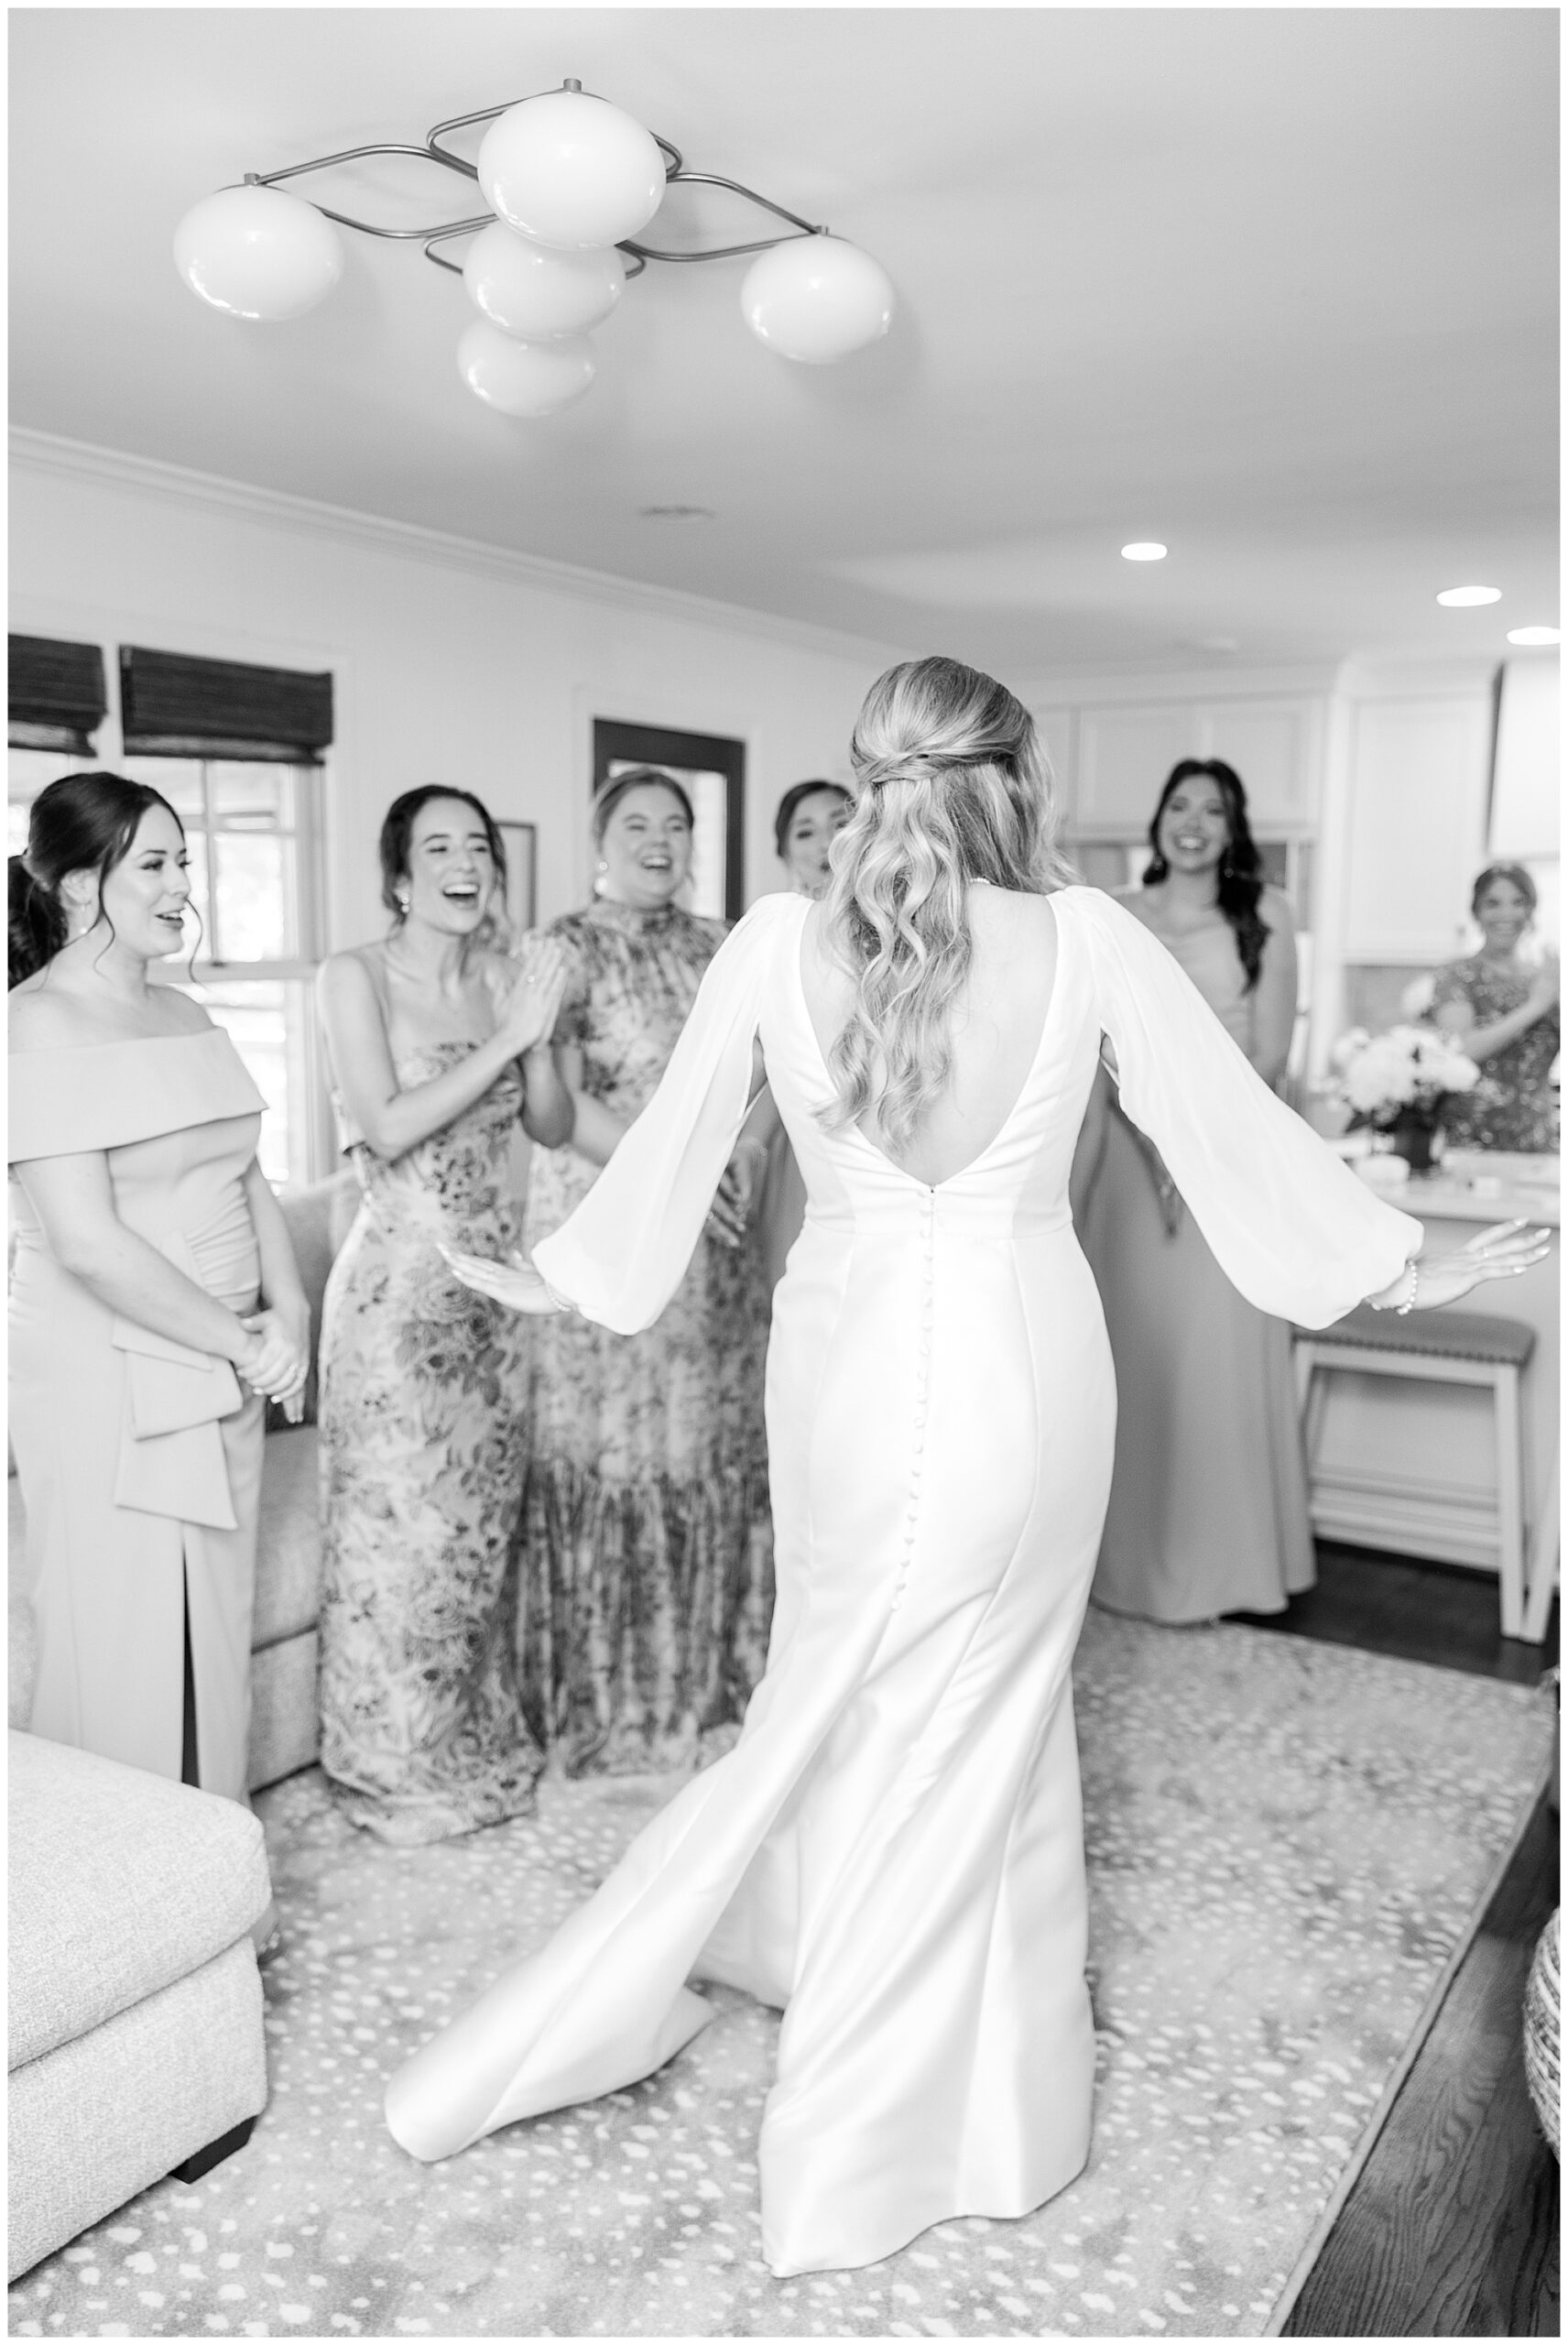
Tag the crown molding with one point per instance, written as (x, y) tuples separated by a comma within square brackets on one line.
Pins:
[(51, 457), (1124, 686)]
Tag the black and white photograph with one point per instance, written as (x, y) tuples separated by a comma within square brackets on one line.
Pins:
[(784, 1135)]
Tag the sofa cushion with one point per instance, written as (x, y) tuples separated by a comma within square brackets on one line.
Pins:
[(285, 1714), (121, 1883), (289, 1539), (104, 2116), (21, 1630), (318, 1219)]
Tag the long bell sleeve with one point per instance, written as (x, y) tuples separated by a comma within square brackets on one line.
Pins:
[(1293, 1227), (621, 1254)]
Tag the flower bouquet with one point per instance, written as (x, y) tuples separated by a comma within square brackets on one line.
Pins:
[(1397, 1082)]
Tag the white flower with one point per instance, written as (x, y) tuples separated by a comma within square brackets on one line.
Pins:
[(1406, 1066), (1416, 1000)]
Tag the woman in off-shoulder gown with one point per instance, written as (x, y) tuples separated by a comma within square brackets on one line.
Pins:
[(146, 1239), (893, 1850)]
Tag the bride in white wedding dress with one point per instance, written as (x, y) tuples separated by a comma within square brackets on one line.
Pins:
[(892, 1853)]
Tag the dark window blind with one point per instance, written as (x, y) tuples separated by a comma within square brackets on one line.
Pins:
[(173, 705), (55, 697)]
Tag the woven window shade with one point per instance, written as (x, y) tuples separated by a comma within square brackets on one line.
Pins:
[(55, 697), (172, 705)]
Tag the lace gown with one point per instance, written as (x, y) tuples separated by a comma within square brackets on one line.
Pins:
[(1512, 1106), (423, 1390), (893, 1850), (1208, 1511), (647, 1550)]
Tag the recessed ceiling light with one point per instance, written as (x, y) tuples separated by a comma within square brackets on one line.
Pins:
[(1535, 635), (1219, 643), (1465, 598), (677, 513), (1145, 550)]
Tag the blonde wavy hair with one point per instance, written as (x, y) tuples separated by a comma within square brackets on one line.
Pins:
[(952, 789)]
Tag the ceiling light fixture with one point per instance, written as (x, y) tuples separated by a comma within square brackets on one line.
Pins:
[(570, 182), (1534, 635), (1468, 598), (1145, 550), (676, 513)]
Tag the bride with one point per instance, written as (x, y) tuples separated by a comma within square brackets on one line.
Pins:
[(892, 1853)]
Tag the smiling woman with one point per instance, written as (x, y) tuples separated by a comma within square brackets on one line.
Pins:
[(440, 1046), (152, 1264), (647, 1583)]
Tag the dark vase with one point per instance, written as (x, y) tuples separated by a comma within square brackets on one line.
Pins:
[(1412, 1135)]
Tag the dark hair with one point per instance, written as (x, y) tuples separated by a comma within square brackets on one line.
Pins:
[(397, 829), (83, 822), (1241, 865), (1514, 873), (795, 796), (638, 778)]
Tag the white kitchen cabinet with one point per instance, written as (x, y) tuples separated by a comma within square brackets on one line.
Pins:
[(1417, 813)]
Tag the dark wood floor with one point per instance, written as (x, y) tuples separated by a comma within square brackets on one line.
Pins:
[(1452, 2227)]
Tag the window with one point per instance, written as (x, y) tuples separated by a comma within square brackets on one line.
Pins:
[(712, 769), (253, 836)]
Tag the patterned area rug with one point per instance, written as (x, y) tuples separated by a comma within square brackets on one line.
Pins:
[(1287, 1840)]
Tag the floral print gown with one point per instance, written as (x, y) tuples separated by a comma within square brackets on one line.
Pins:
[(647, 1580), (1512, 1106), (421, 1412)]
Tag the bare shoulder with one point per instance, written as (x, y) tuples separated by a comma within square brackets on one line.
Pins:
[(178, 1013), (348, 976), (39, 1017), (1274, 911)]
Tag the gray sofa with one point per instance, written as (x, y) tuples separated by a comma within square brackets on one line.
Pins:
[(136, 2045)]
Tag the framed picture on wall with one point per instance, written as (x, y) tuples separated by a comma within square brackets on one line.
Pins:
[(521, 843), (712, 771)]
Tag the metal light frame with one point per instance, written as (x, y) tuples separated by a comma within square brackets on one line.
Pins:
[(432, 151)]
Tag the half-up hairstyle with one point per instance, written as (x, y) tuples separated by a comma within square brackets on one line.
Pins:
[(1241, 865), (952, 789), (84, 822)]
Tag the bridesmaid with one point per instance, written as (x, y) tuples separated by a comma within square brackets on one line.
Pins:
[(648, 1557), (152, 1267), (439, 1046), (1208, 1511), (1505, 1012), (810, 817)]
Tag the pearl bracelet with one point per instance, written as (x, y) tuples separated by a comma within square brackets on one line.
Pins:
[(1409, 1305)]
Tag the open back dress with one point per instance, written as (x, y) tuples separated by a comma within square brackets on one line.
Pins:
[(893, 1850)]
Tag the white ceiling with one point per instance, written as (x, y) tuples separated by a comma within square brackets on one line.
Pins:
[(1276, 286)]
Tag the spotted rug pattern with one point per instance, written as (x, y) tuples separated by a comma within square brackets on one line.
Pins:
[(1286, 1841)]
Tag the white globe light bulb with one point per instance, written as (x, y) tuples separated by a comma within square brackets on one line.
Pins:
[(536, 292), (816, 298), (570, 171), (257, 252), (523, 378)]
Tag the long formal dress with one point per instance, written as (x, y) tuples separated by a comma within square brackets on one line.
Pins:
[(893, 1850), (139, 1460), (646, 1547), (1208, 1511), (423, 1390), (1512, 1106)]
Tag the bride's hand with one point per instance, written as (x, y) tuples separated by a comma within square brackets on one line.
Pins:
[(514, 1282), (1501, 1252)]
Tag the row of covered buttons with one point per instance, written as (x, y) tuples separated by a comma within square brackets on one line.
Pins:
[(923, 1391)]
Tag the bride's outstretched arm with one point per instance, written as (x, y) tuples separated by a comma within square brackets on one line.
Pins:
[(620, 1257), (1290, 1225)]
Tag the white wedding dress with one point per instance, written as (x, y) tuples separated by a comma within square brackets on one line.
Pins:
[(892, 1853)]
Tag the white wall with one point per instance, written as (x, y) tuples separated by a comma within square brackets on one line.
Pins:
[(454, 663)]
